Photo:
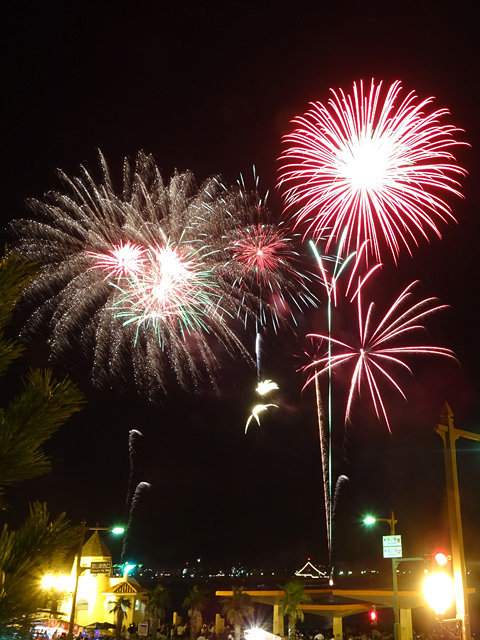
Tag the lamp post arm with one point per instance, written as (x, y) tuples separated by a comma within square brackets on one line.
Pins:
[(397, 561), (391, 521)]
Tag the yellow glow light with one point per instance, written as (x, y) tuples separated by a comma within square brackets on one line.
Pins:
[(255, 633), (438, 591), (48, 581), (59, 582)]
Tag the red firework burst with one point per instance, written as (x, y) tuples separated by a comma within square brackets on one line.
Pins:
[(260, 249), (377, 351), (372, 168)]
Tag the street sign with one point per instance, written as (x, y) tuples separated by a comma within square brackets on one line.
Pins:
[(101, 567), (392, 546), (392, 552), (142, 629)]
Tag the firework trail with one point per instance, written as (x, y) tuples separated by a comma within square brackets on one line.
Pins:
[(341, 481), (379, 350), (258, 353), (133, 437), (371, 166), (325, 449), (142, 487), (331, 277)]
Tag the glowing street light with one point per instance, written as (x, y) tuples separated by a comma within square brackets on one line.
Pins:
[(59, 582), (438, 591), (369, 520), (128, 568), (118, 530)]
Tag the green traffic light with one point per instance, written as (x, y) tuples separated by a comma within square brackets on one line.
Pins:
[(369, 520)]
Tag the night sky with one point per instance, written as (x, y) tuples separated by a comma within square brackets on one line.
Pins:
[(211, 87)]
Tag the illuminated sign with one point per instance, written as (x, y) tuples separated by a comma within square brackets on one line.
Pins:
[(101, 567), (392, 546)]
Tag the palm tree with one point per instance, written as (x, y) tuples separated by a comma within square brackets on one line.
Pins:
[(158, 601), (196, 601), (42, 406), (238, 609), (294, 596), (26, 553), (119, 608)]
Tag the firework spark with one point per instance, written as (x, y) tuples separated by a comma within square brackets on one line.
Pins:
[(266, 386), (259, 249), (256, 411), (175, 289), (377, 354), (123, 260), (260, 258), (372, 167), (116, 270)]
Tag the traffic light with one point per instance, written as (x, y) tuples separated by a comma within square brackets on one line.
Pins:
[(372, 616), (441, 558), (438, 584)]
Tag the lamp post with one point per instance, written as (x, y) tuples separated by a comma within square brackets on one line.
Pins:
[(392, 522), (449, 435), (83, 530)]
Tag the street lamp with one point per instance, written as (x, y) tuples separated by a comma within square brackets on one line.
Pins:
[(83, 530), (369, 520), (391, 521)]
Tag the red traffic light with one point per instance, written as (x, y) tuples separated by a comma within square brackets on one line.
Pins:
[(441, 558), (372, 615)]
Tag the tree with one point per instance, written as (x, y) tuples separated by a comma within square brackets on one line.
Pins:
[(119, 608), (238, 609), (196, 601), (294, 596), (25, 556), (42, 405), (158, 601), (39, 408)]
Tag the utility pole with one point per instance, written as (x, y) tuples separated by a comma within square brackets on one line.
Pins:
[(449, 435)]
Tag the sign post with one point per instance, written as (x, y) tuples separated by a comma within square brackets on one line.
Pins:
[(392, 546)]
